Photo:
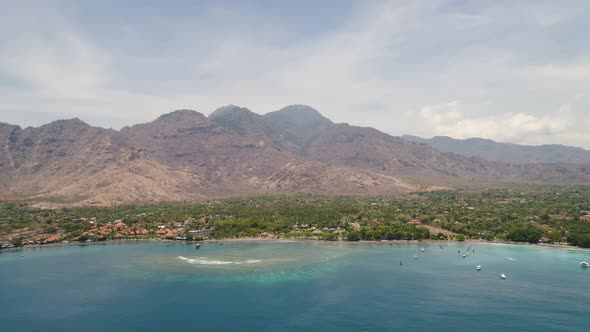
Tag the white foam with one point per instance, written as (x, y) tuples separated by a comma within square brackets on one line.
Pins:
[(205, 261)]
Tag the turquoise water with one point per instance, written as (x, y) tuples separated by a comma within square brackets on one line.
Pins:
[(292, 287)]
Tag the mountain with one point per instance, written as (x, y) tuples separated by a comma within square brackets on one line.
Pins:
[(506, 152), (185, 155)]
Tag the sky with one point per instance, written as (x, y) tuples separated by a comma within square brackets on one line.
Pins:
[(512, 71)]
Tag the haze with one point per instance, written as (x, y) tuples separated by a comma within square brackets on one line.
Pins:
[(510, 71)]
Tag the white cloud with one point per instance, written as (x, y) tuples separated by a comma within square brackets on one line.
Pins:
[(562, 125), (511, 67)]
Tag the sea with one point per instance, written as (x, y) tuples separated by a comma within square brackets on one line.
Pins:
[(294, 286)]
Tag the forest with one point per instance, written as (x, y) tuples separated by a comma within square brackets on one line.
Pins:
[(533, 214)]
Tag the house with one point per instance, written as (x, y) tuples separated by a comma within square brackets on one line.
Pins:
[(204, 232), (544, 239), (414, 222)]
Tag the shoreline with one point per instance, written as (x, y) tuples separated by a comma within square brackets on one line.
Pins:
[(265, 239)]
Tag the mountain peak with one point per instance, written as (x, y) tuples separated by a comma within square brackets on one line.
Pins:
[(230, 111), (67, 123), (183, 115), (180, 113), (299, 115), (238, 119)]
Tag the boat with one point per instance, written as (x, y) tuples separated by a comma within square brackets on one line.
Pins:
[(478, 267), (400, 262), (463, 255), (458, 251), (415, 256), (197, 245), (422, 249), (503, 276), (584, 264)]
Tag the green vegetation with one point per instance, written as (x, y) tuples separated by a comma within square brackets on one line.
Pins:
[(17, 242), (526, 214)]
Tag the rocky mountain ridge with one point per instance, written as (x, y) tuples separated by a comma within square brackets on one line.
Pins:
[(185, 155)]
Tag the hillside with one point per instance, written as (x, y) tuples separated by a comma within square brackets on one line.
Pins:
[(185, 155), (506, 152)]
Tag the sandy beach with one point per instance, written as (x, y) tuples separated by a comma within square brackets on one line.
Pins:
[(267, 239)]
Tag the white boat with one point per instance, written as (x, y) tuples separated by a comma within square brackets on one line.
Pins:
[(584, 264), (464, 256), (422, 249), (415, 256), (503, 276), (478, 267)]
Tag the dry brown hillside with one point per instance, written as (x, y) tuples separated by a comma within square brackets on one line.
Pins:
[(184, 155)]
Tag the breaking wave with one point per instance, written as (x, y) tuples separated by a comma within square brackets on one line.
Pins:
[(205, 261)]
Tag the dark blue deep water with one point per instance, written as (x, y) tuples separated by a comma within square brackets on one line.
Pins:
[(293, 287)]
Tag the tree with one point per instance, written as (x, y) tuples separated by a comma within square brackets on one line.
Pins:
[(17, 242), (524, 233), (353, 236)]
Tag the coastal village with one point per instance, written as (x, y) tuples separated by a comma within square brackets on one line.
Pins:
[(543, 216), (189, 229)]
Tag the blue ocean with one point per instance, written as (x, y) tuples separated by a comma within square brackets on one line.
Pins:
[(294, 286)]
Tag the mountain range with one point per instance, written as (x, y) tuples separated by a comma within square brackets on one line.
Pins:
[(185, 155), (507, 152)]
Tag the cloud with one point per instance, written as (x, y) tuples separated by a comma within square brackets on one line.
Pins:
[(510, 69), (563, 125)]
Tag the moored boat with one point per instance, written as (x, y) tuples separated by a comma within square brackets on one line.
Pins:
[(584, 264), (478, 267), (503, 276)]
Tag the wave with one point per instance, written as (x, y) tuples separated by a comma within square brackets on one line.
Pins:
[(205, 261)]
